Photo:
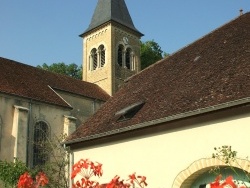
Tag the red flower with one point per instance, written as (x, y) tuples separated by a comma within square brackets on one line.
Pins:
[(116, 183), (42, 179), (97, 169), (132, 178), (143, 180), (25, 181), (76, 168), (113, 182), (87, 169), (228, 182), (216, 183), (84, 163)]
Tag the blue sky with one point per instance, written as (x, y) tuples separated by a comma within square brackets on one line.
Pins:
[(47, 31)]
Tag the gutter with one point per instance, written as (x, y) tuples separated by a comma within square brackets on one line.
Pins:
[(162, 120)]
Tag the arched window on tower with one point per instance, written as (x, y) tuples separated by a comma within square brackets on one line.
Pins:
[(120, 55), (93, 59), (101, 50), (40, 151), (128, 58)]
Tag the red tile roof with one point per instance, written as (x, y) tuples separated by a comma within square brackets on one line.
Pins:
[(34, 83), (211, 71)]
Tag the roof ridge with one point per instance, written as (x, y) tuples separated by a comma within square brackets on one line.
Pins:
[(216, 29), (163, 59)]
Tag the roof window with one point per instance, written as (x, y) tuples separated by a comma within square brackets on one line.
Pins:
[(129, 111)]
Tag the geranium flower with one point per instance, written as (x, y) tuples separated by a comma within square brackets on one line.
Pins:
[(42, 179), (25, 181), (143, 180), (132, 178), (228, 183)]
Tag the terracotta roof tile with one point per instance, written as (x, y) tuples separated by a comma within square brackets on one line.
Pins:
[(211, 71), (34, 83)]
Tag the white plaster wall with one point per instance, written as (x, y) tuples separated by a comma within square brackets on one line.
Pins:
[(162, 157)]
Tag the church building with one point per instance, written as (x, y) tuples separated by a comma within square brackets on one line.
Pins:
[(162, 122), (37, 105), (165, 121)]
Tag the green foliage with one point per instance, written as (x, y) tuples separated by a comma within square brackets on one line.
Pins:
[(11, 171), (228, 156), (225, 154), (150, 53), (72, 69)]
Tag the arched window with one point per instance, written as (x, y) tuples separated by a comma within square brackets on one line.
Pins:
[(101, 50), (120, 54), (41, 135), (128, 58), (93, 59)]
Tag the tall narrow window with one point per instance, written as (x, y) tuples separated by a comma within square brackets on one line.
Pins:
[(102, 55), (120, 54), (128, 58), (40, 152), (94, 58)]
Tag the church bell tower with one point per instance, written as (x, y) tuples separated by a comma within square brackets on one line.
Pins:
[(111, 46)]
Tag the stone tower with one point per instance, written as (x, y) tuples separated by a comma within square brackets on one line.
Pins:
[(111, 46)]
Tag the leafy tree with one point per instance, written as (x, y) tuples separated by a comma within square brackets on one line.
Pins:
[(150, 53), (72, 69)]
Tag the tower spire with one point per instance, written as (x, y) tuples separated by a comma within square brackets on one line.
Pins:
[(111, 11)]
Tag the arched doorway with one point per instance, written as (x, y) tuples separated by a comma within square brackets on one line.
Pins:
[(196, 173)]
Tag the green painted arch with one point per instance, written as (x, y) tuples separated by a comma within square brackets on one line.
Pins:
[(208, 177), (187, 177)]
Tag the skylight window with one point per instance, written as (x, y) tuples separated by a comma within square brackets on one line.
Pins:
[(129, 111)]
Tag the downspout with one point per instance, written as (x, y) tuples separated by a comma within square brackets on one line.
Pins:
[(28, 134), (71, 163)]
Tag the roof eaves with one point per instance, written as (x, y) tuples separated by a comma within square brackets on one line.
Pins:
[(79, 94), (161, 120), (204, 36), (38, 100), (108, 22)]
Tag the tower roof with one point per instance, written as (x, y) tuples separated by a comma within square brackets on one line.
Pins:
[(111, 10)]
